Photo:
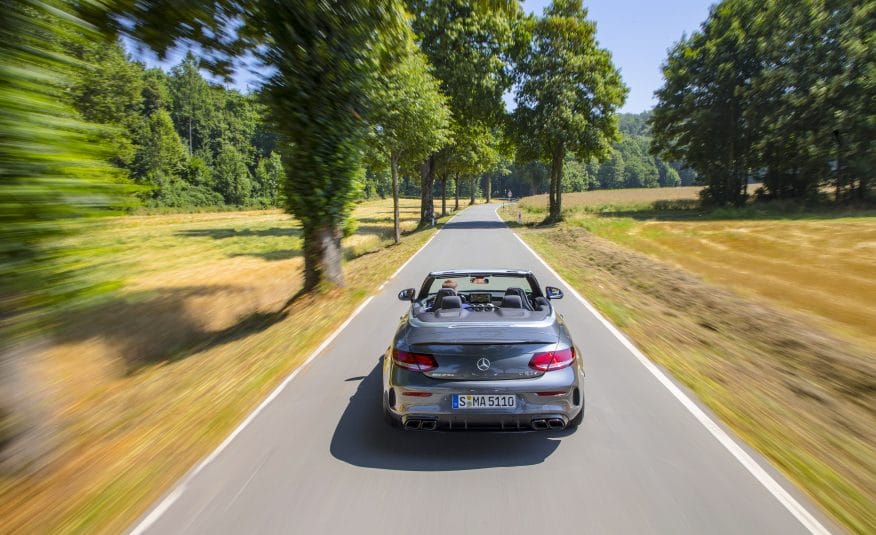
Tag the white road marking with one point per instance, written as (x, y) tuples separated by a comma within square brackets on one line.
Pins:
[(792, 505), (180, 487)]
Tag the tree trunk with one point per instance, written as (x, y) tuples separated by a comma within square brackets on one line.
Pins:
[(552, 201), (456, 183), (444, 195), (30, 436), (489, 191), (472, 192), (427, 201), (556, 212), (190, 135), (394, 167), (322, 255)]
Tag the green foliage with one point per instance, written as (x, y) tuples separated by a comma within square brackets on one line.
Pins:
[(53, 166), (268, 178), (325, 58), (192, 109), (231, 176), (780, 90), (568, 94), (613, 172), (411, 118), (161, 157), (471, 46)]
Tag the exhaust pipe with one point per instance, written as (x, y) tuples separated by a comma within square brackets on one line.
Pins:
[(539, 424), (556, 423), (429, 425), (414, 424)]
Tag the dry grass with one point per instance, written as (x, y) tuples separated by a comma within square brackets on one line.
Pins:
[(815, 263), (746, 340), (633, 196), (144, 385)]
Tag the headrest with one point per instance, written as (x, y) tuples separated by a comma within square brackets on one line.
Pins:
[(541, 303), (512, 301), (451, 301)]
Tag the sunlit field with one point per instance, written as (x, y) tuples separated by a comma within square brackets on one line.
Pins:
[(148, 380), (818, 263), (602, 198), (768, 317)]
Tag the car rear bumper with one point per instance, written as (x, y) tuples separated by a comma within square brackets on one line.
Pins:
[(547, 402)]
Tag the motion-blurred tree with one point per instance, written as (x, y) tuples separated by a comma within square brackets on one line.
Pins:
[(320, 64), (568, 94), (53, 170)]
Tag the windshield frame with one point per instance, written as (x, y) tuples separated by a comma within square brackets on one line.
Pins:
[(427, 284)]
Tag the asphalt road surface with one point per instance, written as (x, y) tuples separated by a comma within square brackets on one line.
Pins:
[(318, 457)]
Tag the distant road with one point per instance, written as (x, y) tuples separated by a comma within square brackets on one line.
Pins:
[(319, 459)]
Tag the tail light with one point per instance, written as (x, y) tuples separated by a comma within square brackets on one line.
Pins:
[(417, 362), (552, 360)]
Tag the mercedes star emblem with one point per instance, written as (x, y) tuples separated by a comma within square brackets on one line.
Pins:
[(483, 364)]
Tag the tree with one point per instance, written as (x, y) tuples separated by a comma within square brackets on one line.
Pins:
[(192, 102), (612, 172), (470, 45), (161, 156), (269, 176), (53, 171), (668, 176), (108, 90), (325, 58), (568, 94), (411, 116), (231, 176), (781, 90)]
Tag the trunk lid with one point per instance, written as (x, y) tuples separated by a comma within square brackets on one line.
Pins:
[(482, 353)]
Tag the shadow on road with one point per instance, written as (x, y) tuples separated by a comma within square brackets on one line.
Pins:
[(474, 225), (363, 439)]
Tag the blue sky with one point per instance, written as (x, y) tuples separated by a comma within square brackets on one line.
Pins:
[(637, 32)]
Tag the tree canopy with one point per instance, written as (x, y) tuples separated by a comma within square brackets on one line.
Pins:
[(779, 91), (411, 117), (569, 91)]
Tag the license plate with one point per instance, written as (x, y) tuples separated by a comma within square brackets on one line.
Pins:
[(480, 401)]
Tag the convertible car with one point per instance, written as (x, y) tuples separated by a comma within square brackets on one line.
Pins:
[(482, 349)]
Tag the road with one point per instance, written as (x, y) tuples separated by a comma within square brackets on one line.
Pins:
[(319, 459)]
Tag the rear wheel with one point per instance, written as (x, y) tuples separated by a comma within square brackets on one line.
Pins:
[(576, 421), (388, 417)]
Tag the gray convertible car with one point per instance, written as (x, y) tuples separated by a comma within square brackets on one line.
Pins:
[(482, 349)]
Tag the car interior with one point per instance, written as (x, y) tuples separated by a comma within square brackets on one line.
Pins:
[(482, 305)]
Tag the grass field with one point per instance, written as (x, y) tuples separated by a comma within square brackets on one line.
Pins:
[(823, 264), (206, 322), (769, 321)]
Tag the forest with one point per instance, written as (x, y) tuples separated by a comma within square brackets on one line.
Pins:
[(185, 143)]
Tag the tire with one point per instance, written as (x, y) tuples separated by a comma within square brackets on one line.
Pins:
[(390, 420), (576, 421)]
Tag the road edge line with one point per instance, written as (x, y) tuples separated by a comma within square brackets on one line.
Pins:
[(155, 512), (796, 509)]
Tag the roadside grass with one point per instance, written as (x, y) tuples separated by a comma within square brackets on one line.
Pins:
[(816, 260), (765, 320), (208, 320)]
